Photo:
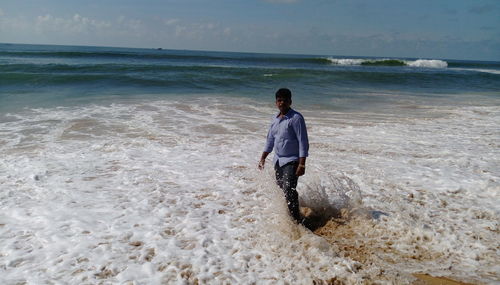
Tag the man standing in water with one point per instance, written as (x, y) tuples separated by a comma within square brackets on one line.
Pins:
[(288, 136)]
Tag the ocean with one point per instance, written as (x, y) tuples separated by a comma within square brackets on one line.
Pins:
[(139, 166)]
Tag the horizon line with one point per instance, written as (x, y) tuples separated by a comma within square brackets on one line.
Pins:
[(249, 52)]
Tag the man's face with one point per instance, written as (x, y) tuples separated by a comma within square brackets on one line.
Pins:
[(283, 104)]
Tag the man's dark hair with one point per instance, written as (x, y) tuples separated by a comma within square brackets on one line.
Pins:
[(284, 93)]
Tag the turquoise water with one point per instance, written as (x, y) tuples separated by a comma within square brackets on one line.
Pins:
[(47, 76)]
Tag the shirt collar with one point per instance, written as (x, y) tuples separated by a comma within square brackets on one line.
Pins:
[(287, 115)]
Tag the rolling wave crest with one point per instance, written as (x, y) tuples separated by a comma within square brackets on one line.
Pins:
[(427, 63)]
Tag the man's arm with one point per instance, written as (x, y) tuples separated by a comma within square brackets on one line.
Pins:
[(301, 168), (301, 131), (268, 148), (263, 160)]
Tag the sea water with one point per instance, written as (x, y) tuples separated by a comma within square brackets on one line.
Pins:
[(139, 166)]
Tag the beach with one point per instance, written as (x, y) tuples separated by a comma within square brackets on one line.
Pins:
[(132, 166)]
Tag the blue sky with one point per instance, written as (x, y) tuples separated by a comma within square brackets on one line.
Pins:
[(447, 29)]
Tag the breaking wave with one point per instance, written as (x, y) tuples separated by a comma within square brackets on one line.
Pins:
[(427, 63)]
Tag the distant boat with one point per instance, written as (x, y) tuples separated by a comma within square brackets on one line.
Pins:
[(159, 49)]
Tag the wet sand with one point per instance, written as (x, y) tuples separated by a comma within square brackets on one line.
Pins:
[(356, 236), (425, 279)]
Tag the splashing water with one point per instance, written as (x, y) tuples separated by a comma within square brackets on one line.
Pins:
[(328, 195)]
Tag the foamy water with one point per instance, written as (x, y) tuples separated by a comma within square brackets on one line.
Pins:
[(427, 63), (168, 192)]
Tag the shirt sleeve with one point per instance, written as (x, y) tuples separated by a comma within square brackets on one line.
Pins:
[(270, 140), (300, 129)]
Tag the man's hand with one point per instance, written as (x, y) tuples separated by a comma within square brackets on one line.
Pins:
[(263, 160), (261, 164), (301, 170)]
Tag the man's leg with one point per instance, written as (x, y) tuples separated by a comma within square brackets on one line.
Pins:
[(279, 175), (287, 180)]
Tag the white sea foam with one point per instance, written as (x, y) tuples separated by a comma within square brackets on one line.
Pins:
[(346, 61), (427, 63), (432, 63), (168, 192), (492, 71)]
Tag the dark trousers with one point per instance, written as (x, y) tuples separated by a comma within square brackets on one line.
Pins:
[(287, 180)]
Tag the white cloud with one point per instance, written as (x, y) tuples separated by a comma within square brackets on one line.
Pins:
[(170, 22), (14, 25), (73, 29), (181, 29), (76, 24), (207, 26)]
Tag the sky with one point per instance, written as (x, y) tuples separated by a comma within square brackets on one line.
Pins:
[(432, 29)]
